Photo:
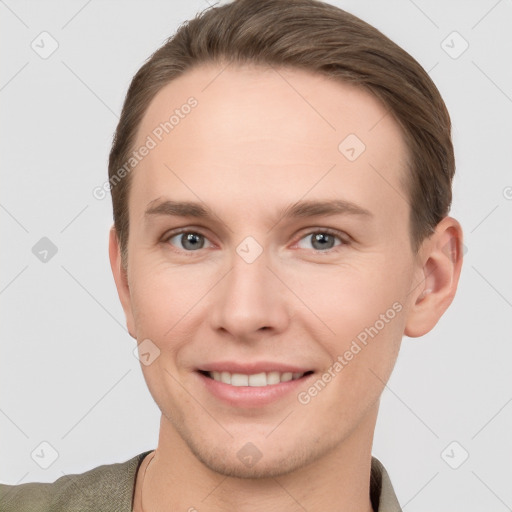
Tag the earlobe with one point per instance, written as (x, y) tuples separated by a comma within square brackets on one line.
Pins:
[(121, 279), (439, 277)]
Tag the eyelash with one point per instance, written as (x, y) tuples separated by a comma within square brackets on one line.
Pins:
[(342, 237)]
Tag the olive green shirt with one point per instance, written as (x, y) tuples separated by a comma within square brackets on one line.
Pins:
[(110, 488)]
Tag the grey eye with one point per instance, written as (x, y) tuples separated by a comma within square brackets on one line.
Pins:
[(319, 241), (188, 240)]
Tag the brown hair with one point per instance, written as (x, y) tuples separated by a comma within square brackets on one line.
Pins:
[(316, 37)]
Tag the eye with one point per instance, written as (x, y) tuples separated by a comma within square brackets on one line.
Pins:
[(188, 240), (321, 240)]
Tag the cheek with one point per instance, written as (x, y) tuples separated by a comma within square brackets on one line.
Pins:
[(365, 312), (163, 300), (167, 303), (362, 354), (350, 299), (162, 294)]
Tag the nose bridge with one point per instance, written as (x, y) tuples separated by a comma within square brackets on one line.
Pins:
[(248, 298)]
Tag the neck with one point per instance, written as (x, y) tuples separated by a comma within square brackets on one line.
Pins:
[(177, 480)]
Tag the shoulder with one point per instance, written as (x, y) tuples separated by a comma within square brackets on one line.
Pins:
[(107, 487), (382, 494)]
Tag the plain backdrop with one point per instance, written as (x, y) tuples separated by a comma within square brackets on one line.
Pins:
[(69, 378)]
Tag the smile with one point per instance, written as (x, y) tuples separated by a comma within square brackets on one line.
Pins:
[(246, 385), (256, 380)]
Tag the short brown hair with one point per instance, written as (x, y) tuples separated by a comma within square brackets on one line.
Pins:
[(317, 37)]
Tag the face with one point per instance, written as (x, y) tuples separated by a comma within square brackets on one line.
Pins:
[(269, 241)]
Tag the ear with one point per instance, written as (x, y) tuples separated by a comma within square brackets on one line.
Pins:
[(121, 279), (440, 263)]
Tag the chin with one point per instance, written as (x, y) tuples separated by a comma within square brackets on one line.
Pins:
[(231, 466), (249, 462)]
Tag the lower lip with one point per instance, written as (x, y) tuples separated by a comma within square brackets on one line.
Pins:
[(249, 396)]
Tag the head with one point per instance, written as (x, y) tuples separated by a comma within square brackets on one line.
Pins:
[(281, 178)]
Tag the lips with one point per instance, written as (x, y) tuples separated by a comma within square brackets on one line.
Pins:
[(256, 384)]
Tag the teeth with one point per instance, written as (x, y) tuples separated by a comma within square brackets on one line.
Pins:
[(273, 378), (255, 380), (285, 377), (239, 379)]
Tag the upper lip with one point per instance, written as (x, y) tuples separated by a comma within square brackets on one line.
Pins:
[(252, 368)]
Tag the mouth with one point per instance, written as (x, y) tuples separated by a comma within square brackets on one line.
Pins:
[(246, 387), (255, 380)]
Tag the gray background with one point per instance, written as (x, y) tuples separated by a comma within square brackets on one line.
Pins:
[(68, 374)]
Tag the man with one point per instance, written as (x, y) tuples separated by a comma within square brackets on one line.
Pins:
[(281, 182)]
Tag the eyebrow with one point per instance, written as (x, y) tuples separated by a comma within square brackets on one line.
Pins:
[(300, 209), (328, 207)]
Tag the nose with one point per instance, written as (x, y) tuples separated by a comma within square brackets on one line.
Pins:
[(251, 301)]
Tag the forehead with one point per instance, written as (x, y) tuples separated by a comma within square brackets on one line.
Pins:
[(261, 132)]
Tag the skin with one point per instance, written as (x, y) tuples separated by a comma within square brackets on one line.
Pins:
[(258, 141)]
